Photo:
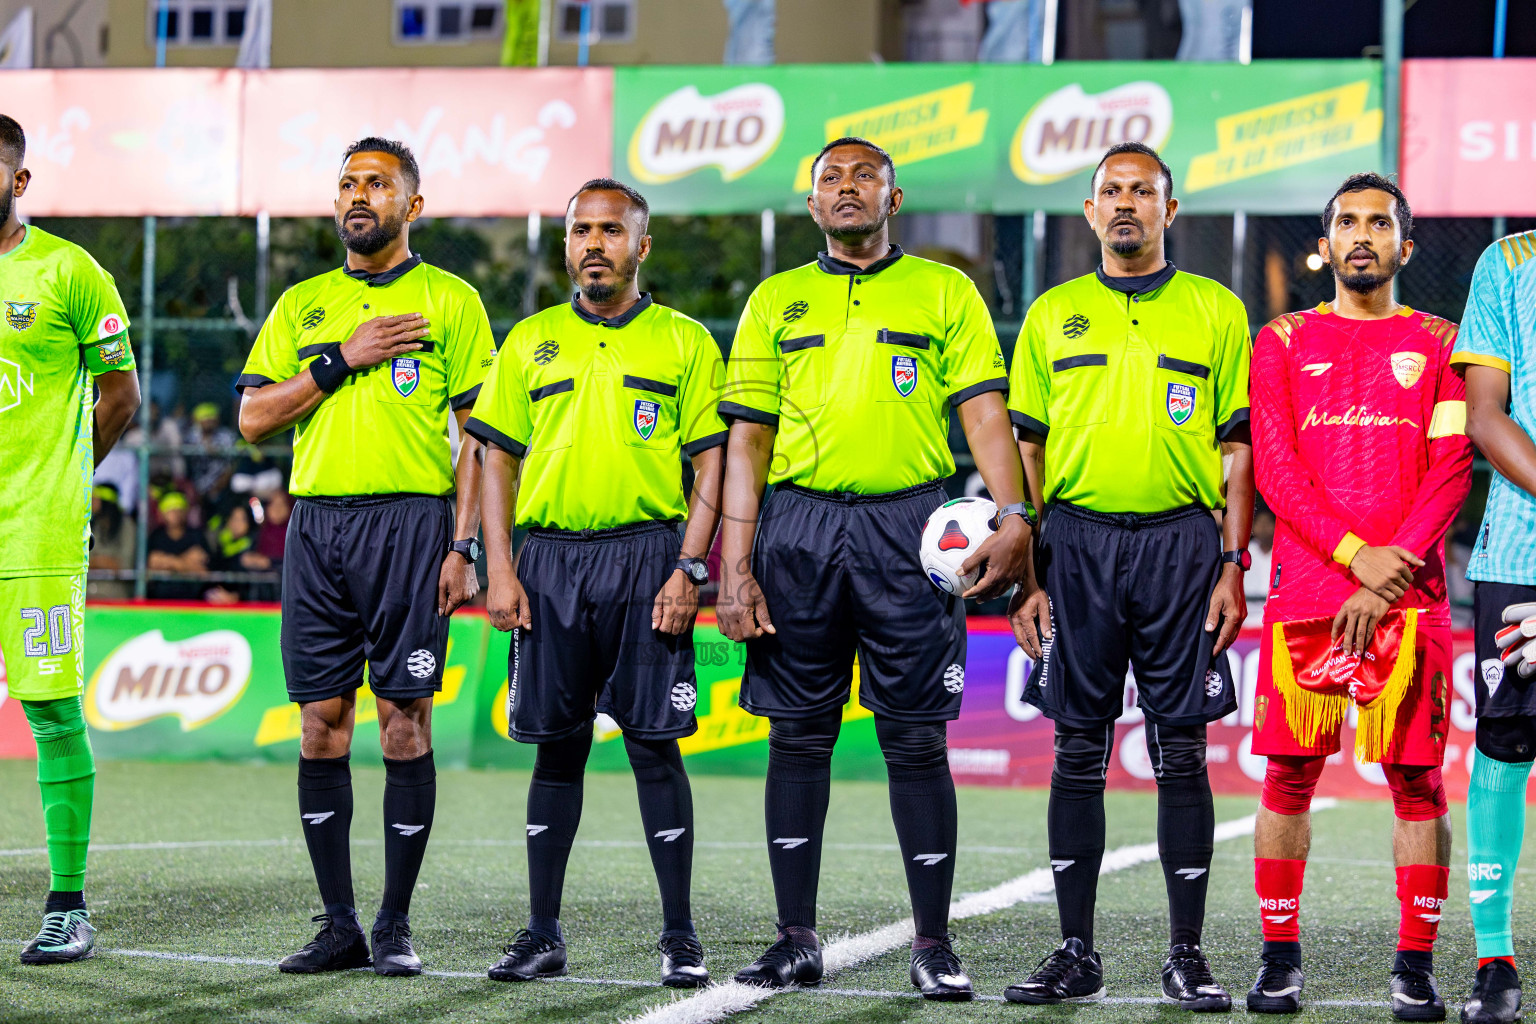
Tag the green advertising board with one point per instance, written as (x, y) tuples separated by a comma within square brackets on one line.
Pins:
[(1271, 137), (193, 684)]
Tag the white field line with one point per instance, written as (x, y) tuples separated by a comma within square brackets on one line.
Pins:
[(720, 1001), (239, 961)]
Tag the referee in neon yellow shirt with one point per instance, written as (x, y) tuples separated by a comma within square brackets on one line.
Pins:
[(1129, 386), (365, 364), (840, 387)]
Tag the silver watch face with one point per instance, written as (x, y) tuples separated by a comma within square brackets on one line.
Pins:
[(697, 571)]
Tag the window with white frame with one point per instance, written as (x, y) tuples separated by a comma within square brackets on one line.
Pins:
[(198, 22), (446, 21), (612, 21)]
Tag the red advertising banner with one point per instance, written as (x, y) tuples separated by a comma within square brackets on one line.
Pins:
[(1469, 134), (115, 143), (192, 142), (490, 141)]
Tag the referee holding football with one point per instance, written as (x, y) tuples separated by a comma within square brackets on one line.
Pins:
[(1129, 386), (839, 387), (364, 363)]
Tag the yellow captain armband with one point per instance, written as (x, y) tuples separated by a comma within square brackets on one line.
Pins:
[(1348, 548), (1448, 420)]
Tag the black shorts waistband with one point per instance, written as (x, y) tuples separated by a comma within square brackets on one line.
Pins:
[(1130, 520), (607, 533), (855, 498), (356, 501)]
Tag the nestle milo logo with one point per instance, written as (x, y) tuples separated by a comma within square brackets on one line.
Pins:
[(149, 677)]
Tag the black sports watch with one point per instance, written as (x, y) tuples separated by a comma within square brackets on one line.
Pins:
[(696, 569), (1022, 509), (470, 549), (1242, 558)]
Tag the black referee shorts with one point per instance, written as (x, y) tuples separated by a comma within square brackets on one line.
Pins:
[(1130, 591), (1501, 693), (360, 584), (591, 647), (841, 575)]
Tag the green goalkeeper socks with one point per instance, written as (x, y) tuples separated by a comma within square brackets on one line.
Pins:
[(1495, 831), (66, 774)]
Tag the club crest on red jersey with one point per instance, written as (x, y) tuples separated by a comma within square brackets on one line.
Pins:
[(904, 374), (1408, 367), (1181, 403), (405, 374), (645, 418)]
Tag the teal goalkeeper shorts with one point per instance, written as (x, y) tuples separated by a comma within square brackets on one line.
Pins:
[(42, 636)]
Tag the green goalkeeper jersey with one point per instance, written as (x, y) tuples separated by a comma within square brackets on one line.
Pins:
[(63, 323)]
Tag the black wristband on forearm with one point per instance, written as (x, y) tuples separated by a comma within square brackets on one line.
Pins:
[(329, 369)]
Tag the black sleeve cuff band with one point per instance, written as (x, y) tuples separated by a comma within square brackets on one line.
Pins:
[(1234, 422), (465, 400), (732, 411), (329, 369), (251, 380), (966, 394), (1028, 423), (487, 434), (693, 449)]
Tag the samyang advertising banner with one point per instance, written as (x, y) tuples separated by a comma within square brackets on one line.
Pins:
[(1469, 137), (1275, 136), (189, 684)]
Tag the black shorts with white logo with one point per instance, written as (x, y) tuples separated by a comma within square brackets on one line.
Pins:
[(591, 647), (1130, 591), (841, 575), (1501, 693), (360, 581)]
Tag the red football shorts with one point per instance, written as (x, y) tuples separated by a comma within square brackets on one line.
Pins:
[(1418, 739)]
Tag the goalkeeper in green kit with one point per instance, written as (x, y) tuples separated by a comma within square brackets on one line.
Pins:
[(62, 326)]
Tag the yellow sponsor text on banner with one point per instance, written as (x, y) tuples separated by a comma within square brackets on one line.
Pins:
[(915, 128), (1284, 134)]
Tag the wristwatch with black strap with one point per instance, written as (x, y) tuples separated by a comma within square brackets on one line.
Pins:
[(1242, 559), (470, 549), (696, 569)]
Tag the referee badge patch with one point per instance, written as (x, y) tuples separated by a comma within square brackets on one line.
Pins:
[(405, 374), (1181, 403), (645, 418), (904, 374)]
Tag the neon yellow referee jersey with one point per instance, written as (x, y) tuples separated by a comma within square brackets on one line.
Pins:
[(858, 370), (385, 430), (601, 412), (1133, 390)]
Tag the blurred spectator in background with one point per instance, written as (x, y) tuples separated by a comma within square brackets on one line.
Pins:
[(235, 551), (256, 474), (209, 472), (115, 537), (164, 431), (273, 535), (1261, 548), (120, 471), (174, 547)]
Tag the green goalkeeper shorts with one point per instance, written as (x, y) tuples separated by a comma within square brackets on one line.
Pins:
[(42, 636)]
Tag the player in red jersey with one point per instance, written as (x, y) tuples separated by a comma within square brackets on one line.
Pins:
[(1360, 448)]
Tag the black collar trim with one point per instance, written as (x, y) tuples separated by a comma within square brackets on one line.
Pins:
[(1137, 285), (389, 276), (622, 320), (832, 265)]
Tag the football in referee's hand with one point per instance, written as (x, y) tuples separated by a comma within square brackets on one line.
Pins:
[(952, 534)]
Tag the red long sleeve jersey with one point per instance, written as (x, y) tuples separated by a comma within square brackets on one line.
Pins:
[(1359, 433)]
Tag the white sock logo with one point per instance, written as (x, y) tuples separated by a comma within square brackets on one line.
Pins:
[(790, 844), (1190, 874), (1482, 895), (534, 830), (1059, 866), (316, 817), (408, 830), (1278, 918), (930, 859), (669, 835)]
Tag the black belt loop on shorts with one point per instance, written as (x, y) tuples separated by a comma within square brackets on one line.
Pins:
[(347, 502), (607, 533), (855, 498), (1130, 520)]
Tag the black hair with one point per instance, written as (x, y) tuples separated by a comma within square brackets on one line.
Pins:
[(13, 143), (614, 185), (1144, 150), (1367, 181), (854, 140), (399, 150)]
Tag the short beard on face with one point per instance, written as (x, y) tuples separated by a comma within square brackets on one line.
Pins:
[(1363, 282), (852, 232), (598, 292), (1126, 246), (372, 239)]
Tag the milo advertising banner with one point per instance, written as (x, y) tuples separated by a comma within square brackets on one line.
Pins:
[(192, 684), (1273, 136)]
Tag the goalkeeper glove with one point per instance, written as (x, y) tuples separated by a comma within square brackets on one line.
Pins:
[(1517, 640)]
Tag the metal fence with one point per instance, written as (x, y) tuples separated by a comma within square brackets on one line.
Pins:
[(207, 282)]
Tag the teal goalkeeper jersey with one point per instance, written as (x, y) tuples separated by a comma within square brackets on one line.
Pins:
[(1497, 330), (61, 322)]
